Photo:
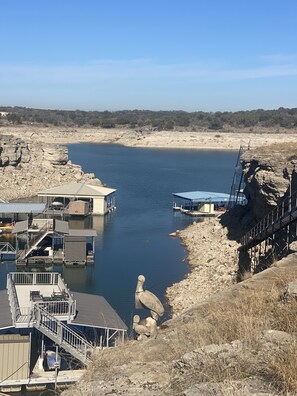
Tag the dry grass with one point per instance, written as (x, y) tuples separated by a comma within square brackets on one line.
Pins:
[(281, 369), (244, 317)]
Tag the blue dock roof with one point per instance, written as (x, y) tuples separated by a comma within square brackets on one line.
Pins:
[(203, 196)]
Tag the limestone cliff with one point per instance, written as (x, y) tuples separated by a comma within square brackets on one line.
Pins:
[(269, 173), (27, 167)]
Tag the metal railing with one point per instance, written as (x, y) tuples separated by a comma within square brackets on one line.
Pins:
[(7, 248), (281, 216), (62, 334), (61, 303), (36, 278), (47, 227), (236, 195), (13, 299)]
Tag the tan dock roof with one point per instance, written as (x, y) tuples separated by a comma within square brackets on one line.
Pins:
[(62, 227), (94, 311), (77, 190)]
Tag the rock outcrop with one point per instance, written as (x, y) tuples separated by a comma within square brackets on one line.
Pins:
[(269, 174), (27, 167)]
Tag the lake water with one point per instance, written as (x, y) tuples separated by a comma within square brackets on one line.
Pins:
[(134, 239)]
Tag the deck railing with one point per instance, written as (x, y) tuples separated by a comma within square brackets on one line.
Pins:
[(36, 278), (60, 303), (13, 299)]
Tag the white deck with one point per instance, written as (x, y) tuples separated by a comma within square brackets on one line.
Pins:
[(23, 293)]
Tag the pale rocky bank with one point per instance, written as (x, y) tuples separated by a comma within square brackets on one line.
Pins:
[(230, 139), (27, 167)]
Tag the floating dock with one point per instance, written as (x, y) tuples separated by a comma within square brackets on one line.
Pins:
[(49, 241), (201, 203)]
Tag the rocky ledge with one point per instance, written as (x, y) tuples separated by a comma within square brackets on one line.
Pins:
[(27, 167)]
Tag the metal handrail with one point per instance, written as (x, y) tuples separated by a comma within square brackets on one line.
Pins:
[(61, 332), (57, 307), (13, 299), (6, 247), (35, 278), (48, 226), (279, 217)]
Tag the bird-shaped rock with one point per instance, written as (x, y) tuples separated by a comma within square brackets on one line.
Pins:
[(146, 299)]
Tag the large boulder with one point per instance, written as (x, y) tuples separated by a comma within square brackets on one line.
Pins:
[(56, 155)]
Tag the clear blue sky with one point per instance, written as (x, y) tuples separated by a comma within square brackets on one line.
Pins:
[(209, 55)]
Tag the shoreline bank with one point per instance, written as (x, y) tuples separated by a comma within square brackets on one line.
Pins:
[(198, 140), (212, 259)]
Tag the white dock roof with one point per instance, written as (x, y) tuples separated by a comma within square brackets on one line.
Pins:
[(77, 190)]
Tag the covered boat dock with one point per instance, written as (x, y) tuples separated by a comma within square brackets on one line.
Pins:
[(79, 199), (201, 203), (11, 212), (52, 241)]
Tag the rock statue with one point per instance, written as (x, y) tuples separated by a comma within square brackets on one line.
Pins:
[(140, 328), (145, 299), (146, 328)]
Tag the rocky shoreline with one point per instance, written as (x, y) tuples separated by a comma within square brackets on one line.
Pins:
[(212, 258)]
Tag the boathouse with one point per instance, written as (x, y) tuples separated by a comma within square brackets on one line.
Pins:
[(45, 241), (79, 199), (38, 313)]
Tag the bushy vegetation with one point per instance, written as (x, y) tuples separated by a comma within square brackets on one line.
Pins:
[(161, 120)]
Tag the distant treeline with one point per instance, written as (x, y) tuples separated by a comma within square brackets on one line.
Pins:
[(161, 120)]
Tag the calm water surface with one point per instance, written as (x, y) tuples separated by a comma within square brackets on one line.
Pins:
[(134, 239)]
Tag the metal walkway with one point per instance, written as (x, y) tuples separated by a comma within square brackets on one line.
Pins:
[(281, 216), (62, 335)]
